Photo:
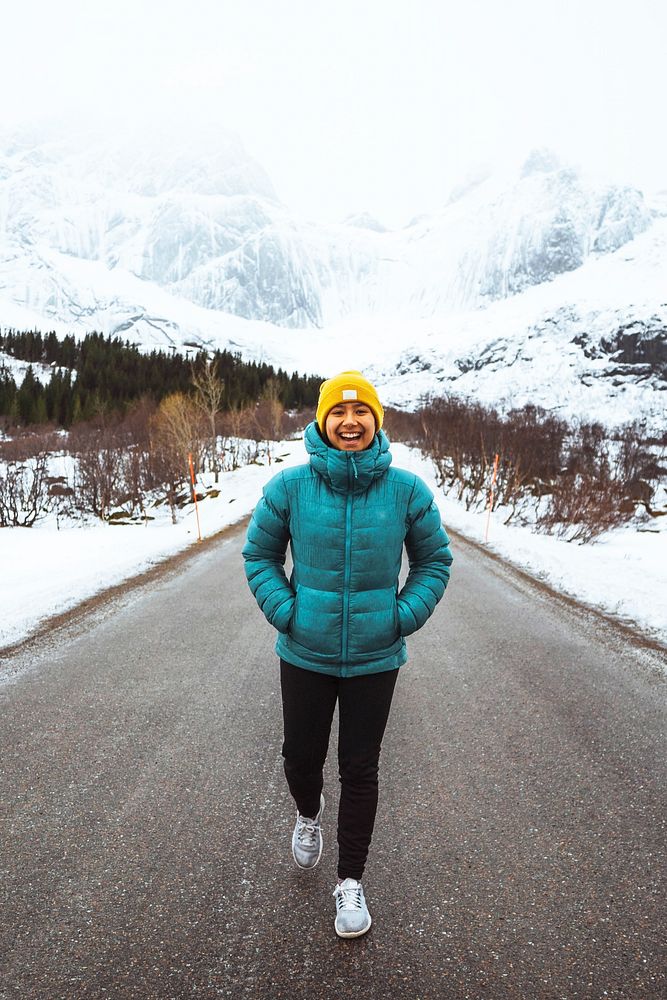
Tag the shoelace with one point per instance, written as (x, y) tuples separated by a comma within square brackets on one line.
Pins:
[(348, 899), (306, 833)]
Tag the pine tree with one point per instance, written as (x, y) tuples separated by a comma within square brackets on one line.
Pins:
[(28, 396)]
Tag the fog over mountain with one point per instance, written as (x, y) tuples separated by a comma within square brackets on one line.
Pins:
[(167, 241)]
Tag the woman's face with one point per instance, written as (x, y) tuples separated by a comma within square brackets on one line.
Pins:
[(350, 426)]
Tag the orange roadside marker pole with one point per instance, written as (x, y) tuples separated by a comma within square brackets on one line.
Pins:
[(194, 494), (493, 483)]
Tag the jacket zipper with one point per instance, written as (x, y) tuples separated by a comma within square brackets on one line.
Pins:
[(346, 577)]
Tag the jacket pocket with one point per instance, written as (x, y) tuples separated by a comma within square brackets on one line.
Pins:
[(282, 618), (292, 621), (397, 617), (374, 622), (316, 621)]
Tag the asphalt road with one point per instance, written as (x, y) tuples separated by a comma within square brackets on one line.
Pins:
[(519, 848)]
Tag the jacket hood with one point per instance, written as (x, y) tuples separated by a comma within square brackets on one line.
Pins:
[(347, 471)]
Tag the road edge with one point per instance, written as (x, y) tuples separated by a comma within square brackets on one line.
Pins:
[(50, 627), (629, 630)]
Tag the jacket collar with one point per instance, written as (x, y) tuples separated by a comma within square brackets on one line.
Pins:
[(346, 471)]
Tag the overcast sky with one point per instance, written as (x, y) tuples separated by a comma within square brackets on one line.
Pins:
[(349, 105)]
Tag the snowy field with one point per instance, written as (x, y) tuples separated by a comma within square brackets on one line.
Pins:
[(49, 569)]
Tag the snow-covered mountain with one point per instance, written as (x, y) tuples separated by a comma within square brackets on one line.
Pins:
[(173, 242)]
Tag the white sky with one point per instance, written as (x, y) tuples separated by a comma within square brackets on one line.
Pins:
[(379, 106)]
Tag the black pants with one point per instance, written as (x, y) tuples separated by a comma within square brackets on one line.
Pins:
[(309, 700)]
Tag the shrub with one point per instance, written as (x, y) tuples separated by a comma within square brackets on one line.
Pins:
[(24, 493)]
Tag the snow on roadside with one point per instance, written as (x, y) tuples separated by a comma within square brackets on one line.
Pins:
[(49, 570), (624, 573)]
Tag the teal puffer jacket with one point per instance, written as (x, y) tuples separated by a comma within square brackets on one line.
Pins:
[(346, 516)]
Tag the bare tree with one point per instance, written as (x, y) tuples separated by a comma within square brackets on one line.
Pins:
[(236, 423), (209, 389), (99, 451), (177, 430), (138, 473), (268, 415), (24, 493), (276, 410), (178, 425), (581, 507), (167, 472)]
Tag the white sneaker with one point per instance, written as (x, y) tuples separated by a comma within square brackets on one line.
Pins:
[(352, 916), (307, 840)]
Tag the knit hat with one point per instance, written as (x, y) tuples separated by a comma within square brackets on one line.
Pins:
[(348, 387)]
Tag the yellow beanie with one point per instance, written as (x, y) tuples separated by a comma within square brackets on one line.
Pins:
[(348, 387)]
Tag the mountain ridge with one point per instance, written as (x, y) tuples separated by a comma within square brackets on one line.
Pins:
[(173, 245)]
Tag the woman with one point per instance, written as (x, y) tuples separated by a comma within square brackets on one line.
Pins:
[(341, 619)]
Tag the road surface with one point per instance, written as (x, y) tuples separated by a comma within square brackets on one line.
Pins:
[(146, 822)]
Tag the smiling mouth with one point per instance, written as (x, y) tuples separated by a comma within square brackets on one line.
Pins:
[(350, 435)]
